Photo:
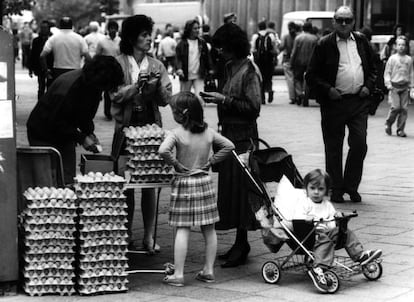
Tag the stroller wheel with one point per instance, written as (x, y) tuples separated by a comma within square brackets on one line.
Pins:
[(332, 280), (271, 272), (372, 271)]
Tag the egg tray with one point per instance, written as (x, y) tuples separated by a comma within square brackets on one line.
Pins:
[(122, 218), (93, 235), (103, 248), (102, 203), (103, 257), (89, 290), (49, 235), (39, 290), (52, 264), (151, 178), (143, 142), (49, 249), (48, 273), (113, 238), (102, 272), (149, 167), (136, 149), (48, 219), (46, 257), (88, 194), (49, 241), (46, 204), (102, 211), (101, 280), (117, 263), (47, 211), (32, 228), (96, 227)]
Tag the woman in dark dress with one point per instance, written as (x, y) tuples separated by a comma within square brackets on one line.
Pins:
[(238, 108)]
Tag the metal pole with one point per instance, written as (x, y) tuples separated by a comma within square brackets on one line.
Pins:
[(1, 12)]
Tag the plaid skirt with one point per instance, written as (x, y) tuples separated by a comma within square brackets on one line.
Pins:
[(193, 201)]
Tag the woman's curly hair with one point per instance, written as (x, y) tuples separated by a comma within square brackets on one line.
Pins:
[(232, 39), (103, 72), (188, 27), (132, 27)]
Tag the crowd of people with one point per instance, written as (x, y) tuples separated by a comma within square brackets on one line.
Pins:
[(133, 74)]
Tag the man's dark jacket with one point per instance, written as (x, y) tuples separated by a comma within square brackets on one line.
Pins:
[(181, 54), (66, 111), (323, 66), (34, 61)]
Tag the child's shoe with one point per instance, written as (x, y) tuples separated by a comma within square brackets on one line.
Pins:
[(174, 281), (208, 278), (318, 278), (388, 129), (401, 133), (368, 256)]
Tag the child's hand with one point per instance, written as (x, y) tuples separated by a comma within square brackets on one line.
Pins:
[(339, 214)]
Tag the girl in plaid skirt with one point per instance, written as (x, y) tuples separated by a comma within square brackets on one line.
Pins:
[(193, 201)]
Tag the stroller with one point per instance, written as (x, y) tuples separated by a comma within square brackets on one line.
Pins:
[(271, 164)]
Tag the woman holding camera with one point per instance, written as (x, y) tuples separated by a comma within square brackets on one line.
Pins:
[(147, 86)]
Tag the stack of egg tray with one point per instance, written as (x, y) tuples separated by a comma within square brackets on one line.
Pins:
[(144, 164), (102, 234), (49, 227)]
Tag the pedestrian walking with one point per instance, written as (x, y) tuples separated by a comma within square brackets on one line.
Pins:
[(399, 79), (68, 49), (136, 103), (193, 201), (303, 46), (35, 66), (286, 46), (92, 39), (109, 46), (342, 74), (25, 37), (63, 117), (238, 108), (166, 51), (263, 49), (193, 59)]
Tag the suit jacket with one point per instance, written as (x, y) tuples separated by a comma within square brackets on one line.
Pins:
[(323, 66)]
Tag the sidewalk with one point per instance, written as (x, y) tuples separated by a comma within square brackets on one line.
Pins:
[(385, 216)]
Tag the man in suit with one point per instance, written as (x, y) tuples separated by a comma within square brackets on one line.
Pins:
[(342, 74)]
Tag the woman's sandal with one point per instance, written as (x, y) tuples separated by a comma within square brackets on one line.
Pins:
[(174, 281), (208, 278)]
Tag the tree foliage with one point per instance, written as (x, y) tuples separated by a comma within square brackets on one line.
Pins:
[(15, 7), (81, 11)]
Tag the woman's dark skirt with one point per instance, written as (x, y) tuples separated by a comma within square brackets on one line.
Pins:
[(234, 199)]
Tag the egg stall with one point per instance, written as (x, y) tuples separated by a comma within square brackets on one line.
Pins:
[(75, 240), (142, 168)]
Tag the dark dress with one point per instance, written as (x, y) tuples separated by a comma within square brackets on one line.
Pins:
[(238, 120)]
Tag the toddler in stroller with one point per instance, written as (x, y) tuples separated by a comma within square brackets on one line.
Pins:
[(301, 216), (317, 208)]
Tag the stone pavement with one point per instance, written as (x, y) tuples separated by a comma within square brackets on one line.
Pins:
[(386, 215)]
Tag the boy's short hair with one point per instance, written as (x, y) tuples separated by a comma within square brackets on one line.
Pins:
[(317, 176)]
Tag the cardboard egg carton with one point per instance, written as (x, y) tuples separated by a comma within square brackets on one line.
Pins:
[(103, 288), (115, 236), (117, 263), (49, 272), (99, 182), (107, 279), (51, 264), (102, 257), (39, 290), (103, 203), (147, 131)]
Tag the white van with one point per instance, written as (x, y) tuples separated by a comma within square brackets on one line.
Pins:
[(320, 19)]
